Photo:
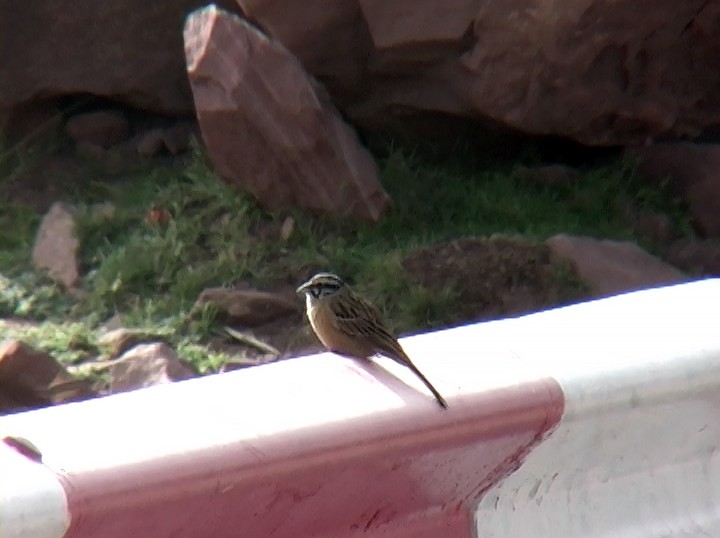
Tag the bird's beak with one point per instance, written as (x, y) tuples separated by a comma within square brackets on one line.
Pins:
[(303, 288)]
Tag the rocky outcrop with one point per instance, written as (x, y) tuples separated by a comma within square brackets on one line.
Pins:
[(268, 128), (598, 72)]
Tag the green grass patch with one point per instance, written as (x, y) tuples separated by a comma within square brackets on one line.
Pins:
[(149, 270)]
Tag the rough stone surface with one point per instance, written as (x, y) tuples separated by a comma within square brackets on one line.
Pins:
[(693, 171), (612, 267), (103, 128), (147, 365), (32, 378), (696, 256), (594, 71), (56, 245), (250, 308), (269, 128), (129, 51)]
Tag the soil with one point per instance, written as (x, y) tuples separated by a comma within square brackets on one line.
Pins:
[(494, 277)]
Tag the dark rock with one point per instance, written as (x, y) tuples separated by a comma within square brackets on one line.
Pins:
[(693, 172), (32, 378), (696, 256), (102, 128)]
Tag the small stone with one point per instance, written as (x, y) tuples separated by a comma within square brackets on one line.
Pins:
[(246, 307), (267, 128), (612, 267), (287, 228), (56, 245), (103, 128), (147, 365), (118, 341), (33, 378)]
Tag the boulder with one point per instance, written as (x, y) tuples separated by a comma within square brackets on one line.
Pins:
[(269, 128)]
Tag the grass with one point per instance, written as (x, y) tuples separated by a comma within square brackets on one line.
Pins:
[(150, 270)]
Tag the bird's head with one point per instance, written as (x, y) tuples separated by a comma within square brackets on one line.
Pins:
[(322, 285)]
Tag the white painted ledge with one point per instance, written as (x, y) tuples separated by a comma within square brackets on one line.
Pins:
[(637, 453)]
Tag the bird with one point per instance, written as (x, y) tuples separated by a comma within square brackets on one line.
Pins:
[(350, 325)]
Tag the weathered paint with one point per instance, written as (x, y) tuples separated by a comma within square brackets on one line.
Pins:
[(32, 500), (637, 453), (317, 446)]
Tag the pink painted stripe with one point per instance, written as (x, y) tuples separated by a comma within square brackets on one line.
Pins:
[(413, 471)]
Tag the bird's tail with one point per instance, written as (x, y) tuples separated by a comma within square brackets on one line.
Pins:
[(404, 359)]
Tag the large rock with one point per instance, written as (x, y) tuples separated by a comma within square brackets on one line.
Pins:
[(693, 171), (612, 267), (269, 128), (596, 71), (129, 51), (250, 308)]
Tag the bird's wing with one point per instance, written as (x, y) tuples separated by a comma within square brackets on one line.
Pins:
[(359, 318)]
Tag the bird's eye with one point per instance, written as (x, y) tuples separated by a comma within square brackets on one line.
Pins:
[(315, 292)]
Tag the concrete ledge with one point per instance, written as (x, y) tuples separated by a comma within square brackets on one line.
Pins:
[(598, 419)]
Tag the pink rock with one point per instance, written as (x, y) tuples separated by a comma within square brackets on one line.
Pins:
[(268, 127), (612, 267), (56, 245), (146, 365), (694, 173)]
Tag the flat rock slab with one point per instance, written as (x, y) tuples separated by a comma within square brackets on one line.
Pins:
[(612, 267), (269, 128)]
